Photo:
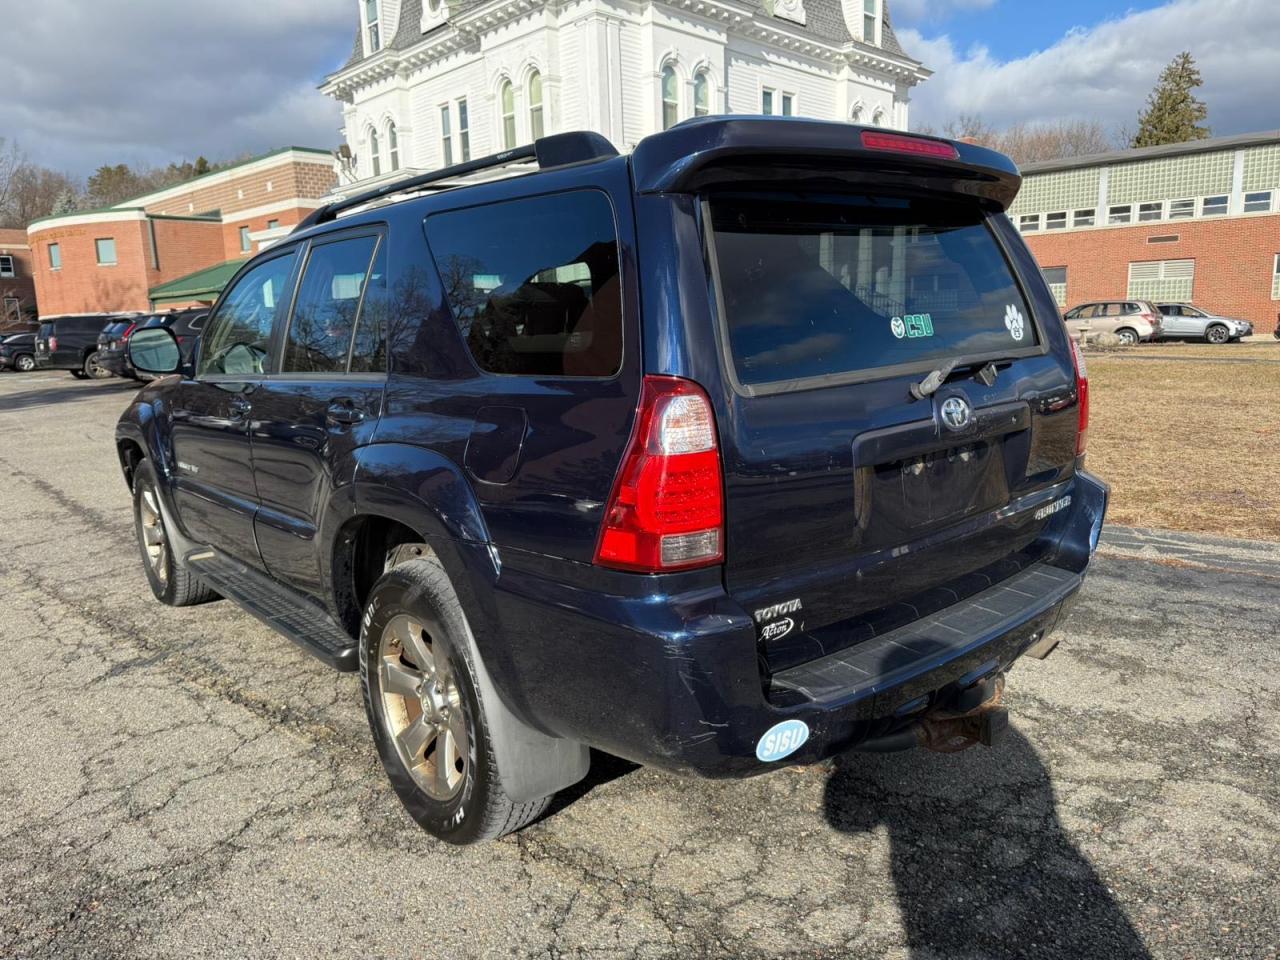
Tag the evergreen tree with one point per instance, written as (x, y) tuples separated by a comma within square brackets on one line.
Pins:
[(1173, 113)]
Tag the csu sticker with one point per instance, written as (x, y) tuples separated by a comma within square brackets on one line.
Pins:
[(782, 740)]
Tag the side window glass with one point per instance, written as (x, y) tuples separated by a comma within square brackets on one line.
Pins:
[(324, 318), (533, 284), (238, 339), (369, 351)]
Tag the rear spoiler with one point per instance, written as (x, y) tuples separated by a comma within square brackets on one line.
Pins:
[(711, 151)]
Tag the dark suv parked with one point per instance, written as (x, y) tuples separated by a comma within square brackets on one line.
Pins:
[(186, 325), (761, 444), (18, 352), (71, 343)]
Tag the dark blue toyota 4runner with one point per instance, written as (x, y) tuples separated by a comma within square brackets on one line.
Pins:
[(760, 444)]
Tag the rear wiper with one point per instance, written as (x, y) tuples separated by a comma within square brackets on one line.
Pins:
[(930, 384)]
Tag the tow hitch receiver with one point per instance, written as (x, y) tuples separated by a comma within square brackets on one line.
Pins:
[(977, 717)]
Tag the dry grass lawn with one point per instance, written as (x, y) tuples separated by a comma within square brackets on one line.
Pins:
[(1187, 443)]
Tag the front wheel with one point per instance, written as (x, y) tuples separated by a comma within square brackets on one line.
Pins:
[(169, 579), (429, 724), (1217, 334), (1127, 337)]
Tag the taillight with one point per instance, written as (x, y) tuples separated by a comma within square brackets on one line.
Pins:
[(897, 143), (666, 511), (125, 336), (53, 343), (1082, 388)]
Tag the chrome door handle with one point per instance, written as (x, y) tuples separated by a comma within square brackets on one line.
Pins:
[(344, 411)]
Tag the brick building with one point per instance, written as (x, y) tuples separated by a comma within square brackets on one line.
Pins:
[(107, 260), (17, 282), (1196, 222)]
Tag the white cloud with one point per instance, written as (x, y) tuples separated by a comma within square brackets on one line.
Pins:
[(1105, 72), (152, 81)]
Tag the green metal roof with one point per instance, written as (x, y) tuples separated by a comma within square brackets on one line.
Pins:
[(202, 285)]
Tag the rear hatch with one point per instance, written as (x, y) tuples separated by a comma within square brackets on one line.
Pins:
[(44, 335), (855, 503)]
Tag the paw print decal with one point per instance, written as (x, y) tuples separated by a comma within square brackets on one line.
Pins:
[(1014, 323)]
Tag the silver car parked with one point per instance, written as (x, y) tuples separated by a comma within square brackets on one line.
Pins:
[(1182, 321), (1130, 320)]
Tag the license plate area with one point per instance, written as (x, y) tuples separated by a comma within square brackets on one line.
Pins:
[(933, 488)]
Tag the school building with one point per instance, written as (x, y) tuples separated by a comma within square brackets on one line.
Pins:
[(1190, 222)]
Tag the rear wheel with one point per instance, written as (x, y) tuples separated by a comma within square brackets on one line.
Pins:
[(93, 368), (1217, 333), (170, 580), (25, 363), (1127, 337), (428, 722)]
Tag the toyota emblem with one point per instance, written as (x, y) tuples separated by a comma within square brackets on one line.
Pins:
[(956, 413)]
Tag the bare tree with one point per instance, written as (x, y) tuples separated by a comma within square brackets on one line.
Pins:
[(1031, 142), (12, 161)]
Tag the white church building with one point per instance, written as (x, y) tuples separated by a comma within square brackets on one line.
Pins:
[(435, 82)]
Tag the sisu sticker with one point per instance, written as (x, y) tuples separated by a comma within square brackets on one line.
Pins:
[(782, 740), (1014, 323)]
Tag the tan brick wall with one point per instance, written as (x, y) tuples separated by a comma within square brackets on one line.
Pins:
[(1234, 259), (83, 286), (13, 243), (277, 183)]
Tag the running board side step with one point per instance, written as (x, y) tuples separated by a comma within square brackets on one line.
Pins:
[(282, 609)]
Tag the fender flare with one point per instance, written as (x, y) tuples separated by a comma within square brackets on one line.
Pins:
[(428, 493)]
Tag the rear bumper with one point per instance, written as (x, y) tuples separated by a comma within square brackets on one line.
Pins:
[(674, 681)]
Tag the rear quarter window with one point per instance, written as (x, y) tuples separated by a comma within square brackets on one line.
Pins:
[(533, 283), (851, 287)]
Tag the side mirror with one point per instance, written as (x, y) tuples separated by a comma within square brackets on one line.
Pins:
[(154, 350)]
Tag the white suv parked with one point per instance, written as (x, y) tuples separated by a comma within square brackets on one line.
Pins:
[(1130, 320)]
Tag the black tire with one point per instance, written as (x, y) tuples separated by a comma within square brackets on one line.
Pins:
[(93, 368), (480, 809), (24, 363), (1217, 334), (1128, 335), (170, 580)]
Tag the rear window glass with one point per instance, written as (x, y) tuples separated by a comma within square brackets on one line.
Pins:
[(533, 283), (832, 287)]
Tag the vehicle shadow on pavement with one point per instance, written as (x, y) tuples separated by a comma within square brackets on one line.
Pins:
[(980, 860), (74, 392)]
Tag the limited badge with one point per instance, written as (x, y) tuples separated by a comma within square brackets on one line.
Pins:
[(1014, 323)]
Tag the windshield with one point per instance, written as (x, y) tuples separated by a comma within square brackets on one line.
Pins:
[(818, 287)]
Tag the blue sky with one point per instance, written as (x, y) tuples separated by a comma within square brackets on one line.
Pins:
[(1012, 28), (154, 81)]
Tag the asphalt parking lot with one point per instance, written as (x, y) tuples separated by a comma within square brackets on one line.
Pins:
[(185, 783)]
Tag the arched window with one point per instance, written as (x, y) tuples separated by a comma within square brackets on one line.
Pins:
[(877, 118), (507, 100), (670, 98), (856, 113), (701, 94), (393, 146), (375, 153), (535, 105)]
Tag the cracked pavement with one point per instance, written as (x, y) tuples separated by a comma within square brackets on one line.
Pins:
[(184, 783)]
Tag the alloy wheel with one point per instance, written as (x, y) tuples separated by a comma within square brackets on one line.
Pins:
[(154, 539), (26, 364), (1217, 335), (422, 708), (94, 369)]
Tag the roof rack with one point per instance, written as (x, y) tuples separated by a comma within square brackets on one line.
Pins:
[(557, 150)]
